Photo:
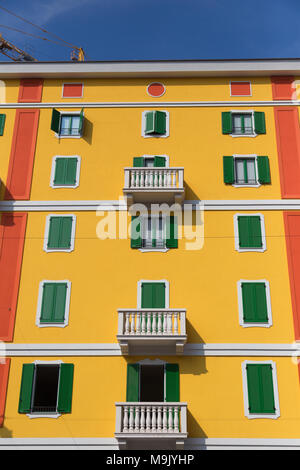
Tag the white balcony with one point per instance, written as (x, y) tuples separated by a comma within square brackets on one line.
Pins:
[(154, 185), (146, 331), (146, 425)]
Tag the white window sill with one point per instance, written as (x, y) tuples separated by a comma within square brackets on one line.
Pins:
[(58, 136), (246, 185), (157, 250), (263, 416), (64, 187), (58, 250), (43, 415), (52, 325), (258, 250), (243, 135), (256, 325)]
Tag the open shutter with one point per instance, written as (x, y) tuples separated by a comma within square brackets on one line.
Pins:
[(2, 123), (150, 127), (263, 166), (260, 389), (172, 232), (81, 120), (138, 161), (136, 236), (133, 382), (260, 122), (26, 388), (55, 121), (159, 161), (227, 123), (255, 308), (228, 169), (65, 391), (160, 122), (172, 382)]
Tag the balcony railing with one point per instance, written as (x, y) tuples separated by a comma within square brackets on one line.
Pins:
[(152, 328), (160, 420), (158, 184)]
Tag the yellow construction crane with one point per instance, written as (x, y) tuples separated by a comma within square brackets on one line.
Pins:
[(15, 53)]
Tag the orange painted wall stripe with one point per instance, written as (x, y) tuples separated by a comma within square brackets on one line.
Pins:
[(20, 168), (4, 370), (30, 90), (12, 236)]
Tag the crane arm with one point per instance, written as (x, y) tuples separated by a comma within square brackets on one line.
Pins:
[(13, 52)]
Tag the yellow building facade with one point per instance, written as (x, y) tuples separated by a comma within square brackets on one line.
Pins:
[(130, 325)]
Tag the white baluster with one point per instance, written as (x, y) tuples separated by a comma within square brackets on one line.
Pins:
[(127, 323), (148, 419), (132, 323), (159, 324), (154, 323), (138, 324), (176, 419), (131, 418), (165, 326), (155, 183), (143, 420), (169, 323), (174, 179), (165, 419), (148, 323), (159, 419), (143, 323), (151, 176), (169, 179), (161, 179), (125, 419), (137, 419), (133, 177), (147, 175), (153, 426), (175, 323), (142, 179), (170, 421)]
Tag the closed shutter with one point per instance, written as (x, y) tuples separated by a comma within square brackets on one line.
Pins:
[(159, 161), (153, 295), (250, 232), (228, 170), (138, 161), (53, 302), (255, 308), (259, 122), (133, 382), (26, 388), (226, 123), (55, 121), (136, 235), (65, 171), (2, 123), (172, 232), (71, 171), (65, 391), (59, 177), (60, 231), (263, 166), (172, 383), (260, 389)]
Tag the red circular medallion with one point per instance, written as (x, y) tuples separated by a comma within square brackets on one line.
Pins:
[(156, 89)]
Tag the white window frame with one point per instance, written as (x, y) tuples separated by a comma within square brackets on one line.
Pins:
[(53, 415), (156, 83), (244, 157), (40, 300), (69, 113), (47, 227), (236, 234), (53, 172), (144, 227), (241, 308), (71, 97), (143, 281), (240, 81), (144, 124), (147, 156), (249, 415), (243, 111)]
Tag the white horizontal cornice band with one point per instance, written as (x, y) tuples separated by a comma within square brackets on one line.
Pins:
[(151, 104), (113, 349), (116, 205)]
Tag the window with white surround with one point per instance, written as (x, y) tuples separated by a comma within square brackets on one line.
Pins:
[(67, 124), (261, 399), (153, 294), (65, 171), (254, 302), (249, 232), (53, 304), (246, 170), (154, 232), (243, 123), (60, 233), (155, 124)]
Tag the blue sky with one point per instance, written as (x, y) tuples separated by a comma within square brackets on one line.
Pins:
[(158, 29)]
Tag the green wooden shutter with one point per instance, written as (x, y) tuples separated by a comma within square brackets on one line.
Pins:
[(259, 122), (172, 232), (250, 232), (81, 121), (65, 391), (150, 118), (172, 382), (66, 232), (65, 171), (54, 230), (136, 236), (228, 170), (138, 161), (160, 120), (54, 302), (159, 161), (55, 121), (59, 176), (133, 382), (60, 232), (255, 308), (71, 171), (153, 295), (2, 123), (260, 389), (26, 388), (227, 123), (263, 166)]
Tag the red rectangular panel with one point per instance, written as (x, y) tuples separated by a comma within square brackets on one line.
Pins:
[(283, 88), (30, 90), (292, 230), (72, 90), (22, 154), (240, 88), (4, 370), (288, 144), (12, 234)]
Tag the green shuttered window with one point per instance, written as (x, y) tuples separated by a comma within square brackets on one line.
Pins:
[(65, 172), (244, 123), (154, 232), (54, 299), (260, 389), (63, 388), (153, 295), (243, 171), (155, 123), (155, 161), (70, 125), (2, 123), (254, 299), (60, 233), (250, 232)]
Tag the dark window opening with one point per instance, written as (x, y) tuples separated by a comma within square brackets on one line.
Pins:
[(45, 388), (152, 383)]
